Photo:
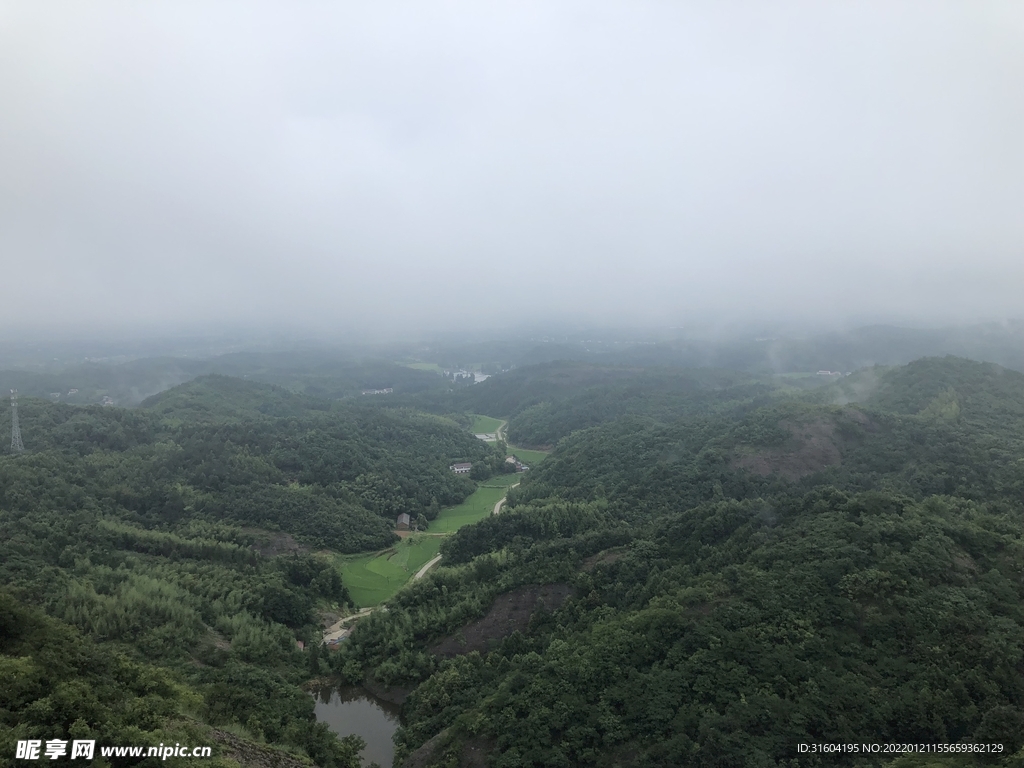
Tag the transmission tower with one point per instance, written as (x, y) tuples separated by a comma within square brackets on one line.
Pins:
[(16, 445)]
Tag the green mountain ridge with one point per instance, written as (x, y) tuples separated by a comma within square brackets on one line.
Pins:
[(223, 398), (725, 610), (709, 569), (142, 530)]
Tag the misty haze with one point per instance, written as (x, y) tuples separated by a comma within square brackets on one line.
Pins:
[(512, 384), (386, 170)]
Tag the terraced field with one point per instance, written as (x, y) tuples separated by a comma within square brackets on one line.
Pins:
[(373, 578)]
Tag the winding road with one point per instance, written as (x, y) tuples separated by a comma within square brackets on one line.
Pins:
[(501, 501), (422, 571), (337, 631), (497, 508)]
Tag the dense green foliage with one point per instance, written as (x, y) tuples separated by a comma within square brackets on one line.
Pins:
[(218, 448), (321, 374), (655, 395), (148, 533), (802, 572), (549, 401), (747, 568), (55, 684), (174, 594), (59, 684)]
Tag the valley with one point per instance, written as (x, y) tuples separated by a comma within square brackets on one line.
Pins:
[(372, 579), (697, 554), (512, 385)]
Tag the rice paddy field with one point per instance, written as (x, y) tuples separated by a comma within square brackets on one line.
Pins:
[(478, 506), (373, 578), (483, 425)]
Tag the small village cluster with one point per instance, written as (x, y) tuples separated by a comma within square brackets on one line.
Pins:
[(514, 460)]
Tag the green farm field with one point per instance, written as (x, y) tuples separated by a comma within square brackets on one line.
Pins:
[(373, 578), (528, 457), (478, 506), (484, 424)]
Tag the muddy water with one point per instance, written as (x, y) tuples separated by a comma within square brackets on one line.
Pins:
[(349, 710)]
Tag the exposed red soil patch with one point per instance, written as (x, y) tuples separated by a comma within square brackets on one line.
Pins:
[(607, 557), (475, 752), (424, 754), (812, 447), (472, 753), (860, 418), (252, 755), (279, 544), (509, 612)]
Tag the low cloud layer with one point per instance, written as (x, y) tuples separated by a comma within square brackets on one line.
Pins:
[(388, 166)]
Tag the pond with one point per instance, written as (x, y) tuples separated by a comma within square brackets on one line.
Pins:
[(352, 710)]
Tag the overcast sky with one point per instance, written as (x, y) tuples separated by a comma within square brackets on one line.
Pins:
[(392, 166)]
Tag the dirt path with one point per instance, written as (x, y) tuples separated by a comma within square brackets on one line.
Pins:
[(501, 501), (498, 431), (423, 571), (337, 630)]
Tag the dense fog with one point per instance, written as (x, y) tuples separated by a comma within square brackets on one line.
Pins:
[(378, 170)]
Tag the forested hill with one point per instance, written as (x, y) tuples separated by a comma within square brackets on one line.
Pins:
[(722, 588), (982, 395), (548, 401), (148, 536), (654, 395), (220, 448), (320, 373), (224, 398), (935, 426)]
